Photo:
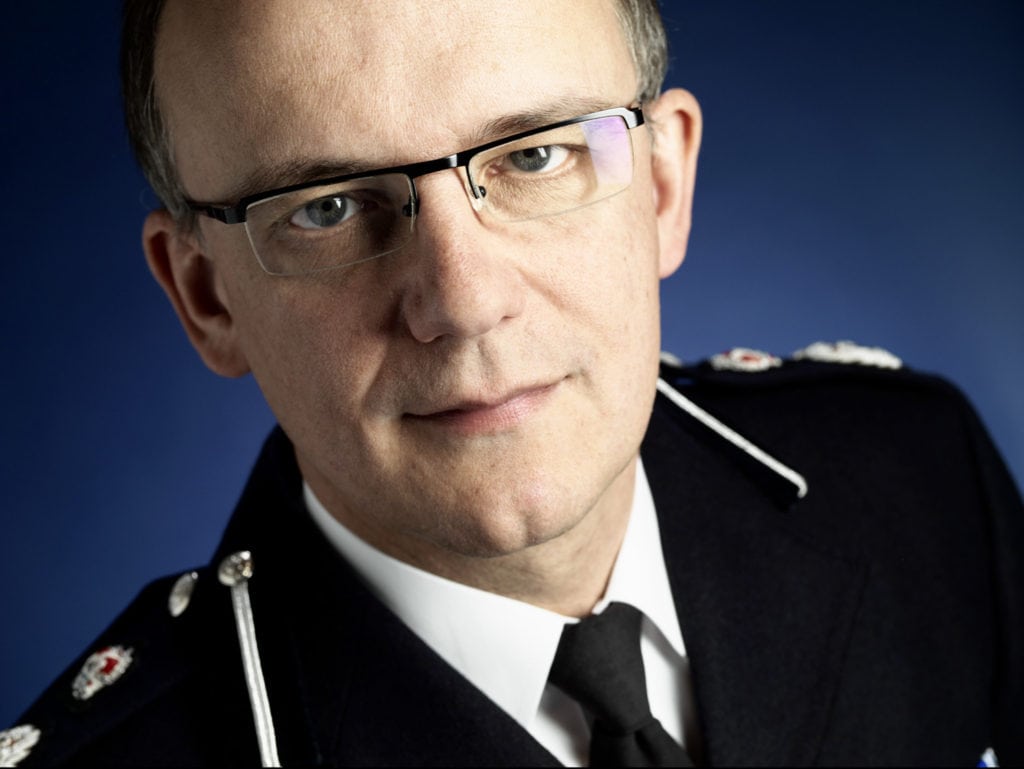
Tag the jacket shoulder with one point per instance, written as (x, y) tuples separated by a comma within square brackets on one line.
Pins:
[(823, 379), (840, 410), (821, 362), (900, 471), (138, 684), (851, 399)]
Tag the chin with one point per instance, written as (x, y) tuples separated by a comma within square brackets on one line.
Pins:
[(491, 532)]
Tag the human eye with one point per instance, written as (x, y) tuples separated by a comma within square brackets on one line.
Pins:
[(326, 212), (531, 160), (352, 209)]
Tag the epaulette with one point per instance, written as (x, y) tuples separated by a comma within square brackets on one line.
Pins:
[(745, 367)]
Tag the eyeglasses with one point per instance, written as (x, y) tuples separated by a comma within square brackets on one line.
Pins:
[(327, 223)]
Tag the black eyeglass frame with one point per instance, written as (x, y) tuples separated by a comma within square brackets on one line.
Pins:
[(236, 213)]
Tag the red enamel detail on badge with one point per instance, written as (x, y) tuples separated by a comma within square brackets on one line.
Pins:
[(744, 359), (101, 669)]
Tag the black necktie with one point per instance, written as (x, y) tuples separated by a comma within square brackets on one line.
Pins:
[(598, 663)]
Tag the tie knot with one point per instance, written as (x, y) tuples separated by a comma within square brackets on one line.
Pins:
[(598, 663)]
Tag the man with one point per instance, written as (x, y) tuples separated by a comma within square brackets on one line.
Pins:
[(434, 236)]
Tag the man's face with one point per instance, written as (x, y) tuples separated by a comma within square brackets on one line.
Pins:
[(486, 387)]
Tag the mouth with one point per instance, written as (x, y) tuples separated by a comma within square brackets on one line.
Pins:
[(487, 416)]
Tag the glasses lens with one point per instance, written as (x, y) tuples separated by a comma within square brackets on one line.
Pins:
[(327, 226), (556, 171)]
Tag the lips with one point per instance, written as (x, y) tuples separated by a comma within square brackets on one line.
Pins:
[(487, 416)]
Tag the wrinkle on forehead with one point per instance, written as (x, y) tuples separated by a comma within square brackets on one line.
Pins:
[(255, 83)]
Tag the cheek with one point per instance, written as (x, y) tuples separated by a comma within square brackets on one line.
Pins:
[(313, 354), (606, 252), (614, 273), (624, 305), (595, 275)]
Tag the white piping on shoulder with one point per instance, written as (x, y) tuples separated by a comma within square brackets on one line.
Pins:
[(733, 437), (235, 571)]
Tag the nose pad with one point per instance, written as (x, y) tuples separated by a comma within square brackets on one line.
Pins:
[(476, 193), (479, 200), (462, 281)]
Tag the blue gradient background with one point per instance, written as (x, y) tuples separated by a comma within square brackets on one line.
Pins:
[(862, 177)]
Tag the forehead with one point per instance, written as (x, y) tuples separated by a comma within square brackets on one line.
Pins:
[(243, 85)]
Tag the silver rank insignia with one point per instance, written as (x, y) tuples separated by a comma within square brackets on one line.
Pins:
[(100, 670), (744, 359), (848, 352), (16, 743)]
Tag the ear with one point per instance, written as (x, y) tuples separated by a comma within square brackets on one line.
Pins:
[(190, 279), (675, 122)]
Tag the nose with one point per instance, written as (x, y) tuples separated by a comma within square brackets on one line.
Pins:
[(461, 280)]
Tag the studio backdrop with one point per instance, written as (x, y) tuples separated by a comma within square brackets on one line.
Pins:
[(862, 177)]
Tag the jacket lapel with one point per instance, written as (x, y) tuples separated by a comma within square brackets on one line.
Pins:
[(377, 695), (765, 615)]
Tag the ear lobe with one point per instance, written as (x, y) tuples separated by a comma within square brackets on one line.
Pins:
[(189, 279), (675, 120)]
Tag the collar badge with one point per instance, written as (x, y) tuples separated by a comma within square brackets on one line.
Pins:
[(181, 593), (16, 743), (101, 669)]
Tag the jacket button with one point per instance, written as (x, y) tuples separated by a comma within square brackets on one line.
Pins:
[(236, 568)]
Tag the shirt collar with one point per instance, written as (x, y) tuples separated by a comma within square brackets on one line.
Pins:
[(473, 629), (639, 576)]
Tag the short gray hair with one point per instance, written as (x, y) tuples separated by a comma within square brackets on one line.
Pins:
[(648, 44)]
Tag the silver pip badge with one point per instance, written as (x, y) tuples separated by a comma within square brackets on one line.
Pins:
[(16, 743)]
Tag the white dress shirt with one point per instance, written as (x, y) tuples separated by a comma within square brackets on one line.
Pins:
[(505, 647)]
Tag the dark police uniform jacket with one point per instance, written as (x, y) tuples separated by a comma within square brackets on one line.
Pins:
[(877, 620)]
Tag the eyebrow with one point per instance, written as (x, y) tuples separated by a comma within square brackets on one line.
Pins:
[(526, 120), (301, 170), (294, 171)]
